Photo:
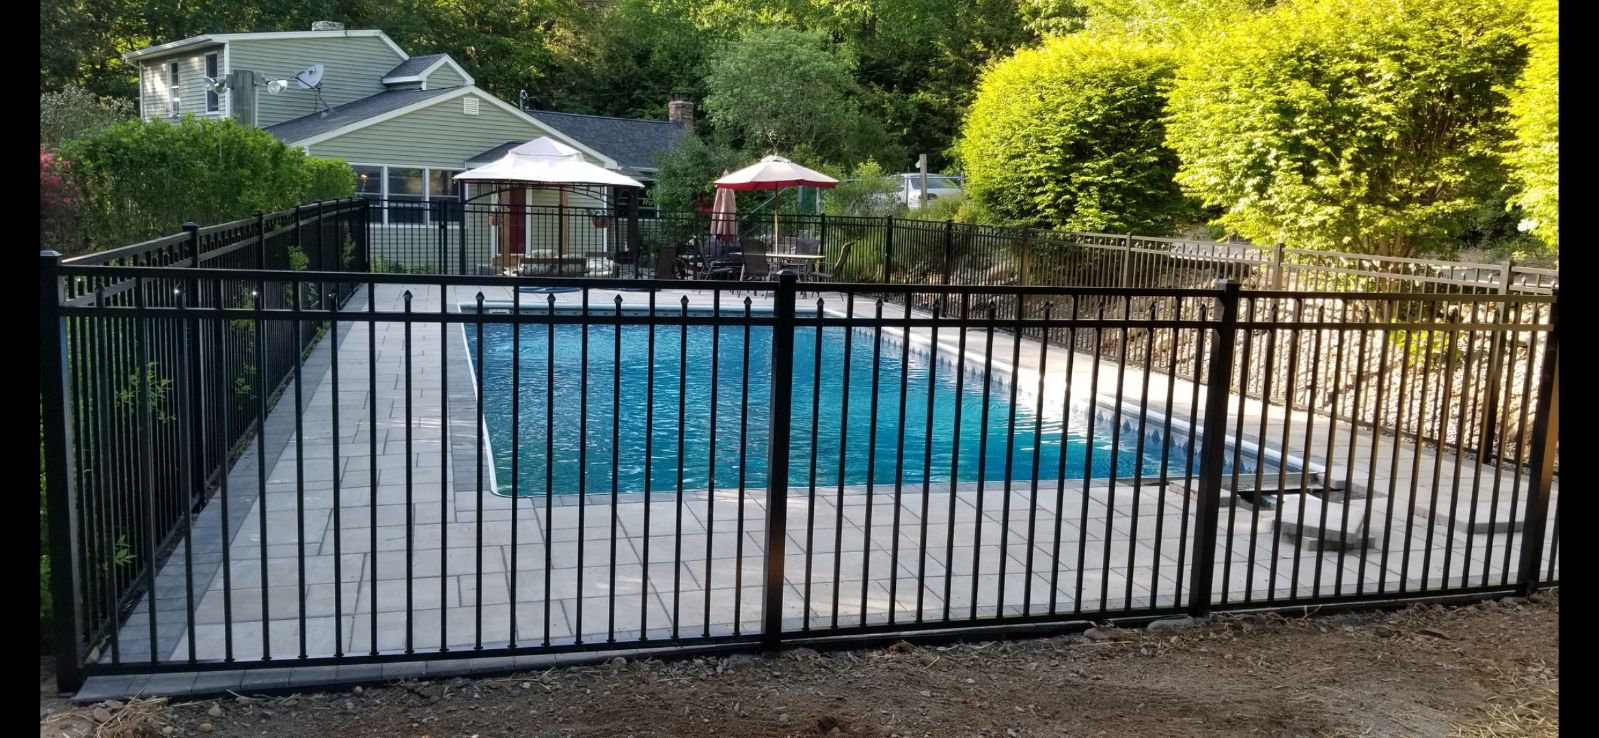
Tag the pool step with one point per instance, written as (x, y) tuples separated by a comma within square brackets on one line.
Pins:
[(1252, 487), (1320, 525)]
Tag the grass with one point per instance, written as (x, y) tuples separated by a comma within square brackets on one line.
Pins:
[(1528, 705)]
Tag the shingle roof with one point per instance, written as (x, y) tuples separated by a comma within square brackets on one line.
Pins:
[(413, 66), (350, 113), (632, 142), (494, 154)]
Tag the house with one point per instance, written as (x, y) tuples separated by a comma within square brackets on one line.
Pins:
[(406, 124)]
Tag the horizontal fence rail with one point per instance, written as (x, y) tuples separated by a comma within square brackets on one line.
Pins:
[(345, 433), (603, 239)]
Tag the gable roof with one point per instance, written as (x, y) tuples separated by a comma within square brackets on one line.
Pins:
[(351, 113), (413, 66), (311, 129), (633, 143), (221, 38), (417, 69)]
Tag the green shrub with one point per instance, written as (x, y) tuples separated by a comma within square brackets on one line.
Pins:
[(140, 179), (327, 179), (1069, 135), (1359, 125), (687, 174), (949, 207), (866, 190), (1534, 156), (72, 112)]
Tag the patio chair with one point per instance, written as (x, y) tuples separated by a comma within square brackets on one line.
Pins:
[(838, 265), (756, 267)]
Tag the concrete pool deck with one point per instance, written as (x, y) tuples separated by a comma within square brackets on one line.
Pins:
[(462, 542)]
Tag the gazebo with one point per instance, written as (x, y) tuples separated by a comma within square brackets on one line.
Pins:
[(546, 164)]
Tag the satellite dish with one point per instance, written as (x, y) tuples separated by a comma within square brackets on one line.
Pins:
[(309, 78), (276, 86), (217, 84)]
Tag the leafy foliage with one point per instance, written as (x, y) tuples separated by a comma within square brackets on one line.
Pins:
[(867, 190), (686, 174), (139, 179), (72, 112), (1354, 125), (58, 207), (784, 90), (1534, 155), (1069, 135)]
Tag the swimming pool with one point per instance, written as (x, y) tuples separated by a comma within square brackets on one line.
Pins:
[(718, 417)]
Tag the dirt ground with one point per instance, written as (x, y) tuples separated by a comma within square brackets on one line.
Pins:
[(1490, 669)]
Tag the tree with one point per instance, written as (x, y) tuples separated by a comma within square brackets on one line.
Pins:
[(1182, 24), (687, 174), (73, 111), (1069, 135), (1534, 155), (1357, 125), (784, 90)]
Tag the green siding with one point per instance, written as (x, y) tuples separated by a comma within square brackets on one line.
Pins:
[(353, 68), (445, 76), (191, 83), (440, 136)]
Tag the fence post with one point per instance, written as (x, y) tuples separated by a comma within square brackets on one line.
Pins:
[(61, 496), (635, 240), (777, 457), (1496, 358), (1545, 439), (444, 236), (1277, 266), (949, 250), (1213, 439), (1027, 262), (366, 235), (193, 229), (260, 240), (1127, 259), (321, 239), (444, 244), (888, 250), (822, 236)]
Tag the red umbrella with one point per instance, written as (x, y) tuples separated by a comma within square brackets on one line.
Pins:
[(772, 173)]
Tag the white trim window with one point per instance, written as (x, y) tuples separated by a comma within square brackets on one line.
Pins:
[(174, 90), (213, 69), (407, 193)]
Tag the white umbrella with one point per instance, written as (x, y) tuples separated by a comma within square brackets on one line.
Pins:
[(772, 173), (547, 162)]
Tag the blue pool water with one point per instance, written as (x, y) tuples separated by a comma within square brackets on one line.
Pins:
[(688, 388)]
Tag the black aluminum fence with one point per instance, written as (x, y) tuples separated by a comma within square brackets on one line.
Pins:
[(137, 393), (597, 237), (489, 465)]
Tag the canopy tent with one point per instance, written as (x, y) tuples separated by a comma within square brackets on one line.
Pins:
[(546, 163), (773, 173)]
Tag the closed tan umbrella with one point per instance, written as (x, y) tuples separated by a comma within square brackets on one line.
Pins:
[(724, 216)]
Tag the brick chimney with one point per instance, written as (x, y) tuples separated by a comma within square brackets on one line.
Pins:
[(681, 111)]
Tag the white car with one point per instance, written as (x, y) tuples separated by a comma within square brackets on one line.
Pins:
[(938, 185)]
